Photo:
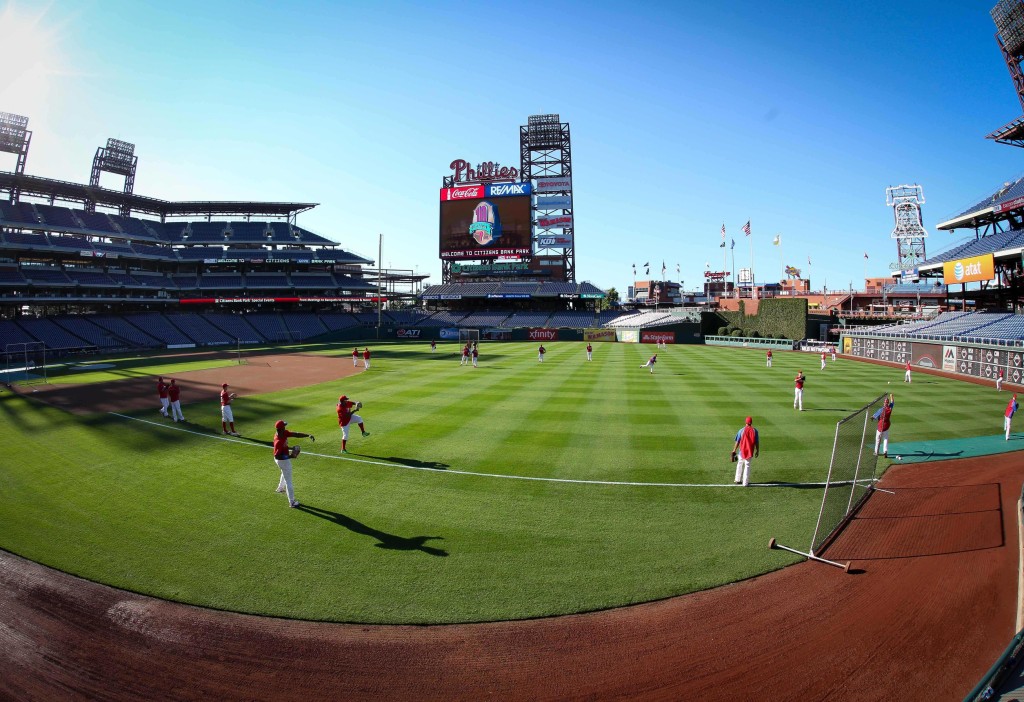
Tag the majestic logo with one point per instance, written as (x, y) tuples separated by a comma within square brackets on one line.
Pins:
[(486, 171), (486, 226)]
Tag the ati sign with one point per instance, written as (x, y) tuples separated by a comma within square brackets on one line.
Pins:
[(486, 171), (650, 337), (409, 333), (543, 335)]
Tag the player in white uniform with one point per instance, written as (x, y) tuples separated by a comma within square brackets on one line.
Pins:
[(823, 354), (798, 396), (769, 357), (747, 446), (227, 417), (346, 415), (590, 352), (1011, 409), (999, 380)]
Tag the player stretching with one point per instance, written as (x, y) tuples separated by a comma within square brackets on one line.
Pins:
[(346, 415), (798, 396), (1011, 409), (650, 362)]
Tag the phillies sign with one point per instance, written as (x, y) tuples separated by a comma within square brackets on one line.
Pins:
[(488, 170)]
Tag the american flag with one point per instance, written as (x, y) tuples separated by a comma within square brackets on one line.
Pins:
[(746, 228), (865, 254)]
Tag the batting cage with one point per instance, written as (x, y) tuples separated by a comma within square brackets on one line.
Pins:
[(850, 479), (25, 363)]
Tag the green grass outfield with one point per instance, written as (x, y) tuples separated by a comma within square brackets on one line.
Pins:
[(430, 518)]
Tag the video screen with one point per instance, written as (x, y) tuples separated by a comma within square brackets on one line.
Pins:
[(486, 227)]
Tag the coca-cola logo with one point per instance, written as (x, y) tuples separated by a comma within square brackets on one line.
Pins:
[(467, 192), (486, 171), (543, 334)]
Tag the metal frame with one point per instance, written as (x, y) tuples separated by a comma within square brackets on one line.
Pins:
[(15, 138), (117, 157), (909, 232), (545, 150)]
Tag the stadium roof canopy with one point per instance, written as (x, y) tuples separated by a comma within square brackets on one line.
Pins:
[(76, 192), (1006, 202)]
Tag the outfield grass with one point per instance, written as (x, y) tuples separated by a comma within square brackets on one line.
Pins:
[(402, 531)]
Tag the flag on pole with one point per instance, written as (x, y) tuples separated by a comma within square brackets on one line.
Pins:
[(733, 244), (722, 245), (646, 265), (865, 254), (808, 260), (746, 228), (777, 240), (662, 268), (677, 269)]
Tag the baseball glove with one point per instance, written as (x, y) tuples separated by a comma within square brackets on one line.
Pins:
[(295, 451), (312, 439), (732, 456), (359, 405)]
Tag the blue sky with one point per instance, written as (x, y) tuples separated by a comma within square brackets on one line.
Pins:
[(684, 116)]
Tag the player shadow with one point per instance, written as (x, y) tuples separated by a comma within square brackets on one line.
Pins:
[(412, 462), (827, 409), (391, 542), (795, 486)]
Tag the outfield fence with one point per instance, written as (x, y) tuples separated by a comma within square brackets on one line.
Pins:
[(851, 473)]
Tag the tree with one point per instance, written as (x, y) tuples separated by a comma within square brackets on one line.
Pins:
[(611, 299)]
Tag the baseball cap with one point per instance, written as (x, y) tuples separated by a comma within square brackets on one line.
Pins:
[(342, 398), (280, 424), (749, 420), (224, 385)]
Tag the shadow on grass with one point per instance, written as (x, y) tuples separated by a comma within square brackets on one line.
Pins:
[(795, 486), (384, 540), (827, 409), (411, 462)]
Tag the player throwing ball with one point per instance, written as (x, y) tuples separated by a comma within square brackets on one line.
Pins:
[(346, 415), (650, 362), (283, 455), (798, 395)]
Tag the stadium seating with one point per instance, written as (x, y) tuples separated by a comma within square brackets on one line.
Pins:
[(1010, 191), (485, 319), (156, 251), (270, 325), (221, 281), (68, 241), (556, 288), (277, 281), (185, 282), (308, 237), (338, 320), (205, 232), (303, 325), (643, 319), (22, 212), (113, 247), (317, 281), (530, 319), (281, 233), (125, 331), (198, 253), (11, 276), (197, 327), (235, 327), (51, 334), (443, 318), (38, 275), (169, 231), (59, 217), (95, 335), (90, 278), (156, 325), (252, 232), (981, 327), (1011, 238), (135, 227), (26, 239), (13, 335), (406, 317), (573, 320), (97, 221)]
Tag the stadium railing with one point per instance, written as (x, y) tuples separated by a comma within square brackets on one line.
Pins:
[(748, 341)]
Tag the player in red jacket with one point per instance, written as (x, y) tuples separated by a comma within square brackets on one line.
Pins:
[(1011, 409), (366, 358), (906, 376), (346, 415), (798, 396), (999, 380), (540, 353), (355, 358), (227, 417), (884, 417), (590, 352), (769, 357), (174, 394), (465, 355), (161, 391), (747, 446), (476, 354)]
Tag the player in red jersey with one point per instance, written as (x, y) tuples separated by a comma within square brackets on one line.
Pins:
[(650, 362), (590, 352), (174, 394), (906, 376), (798, 396), (227, 417), (823, 355), (884, 417), (161, 391), (476, 354), (999, 380), (283, 455), (366, 358), (832, 350), (355, 358), (433, 345), (747, 446), (769, 357), (465, 355), (346, 415), (540, 353), (1011, 409)]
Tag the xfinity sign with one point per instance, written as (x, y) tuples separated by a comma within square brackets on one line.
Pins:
[(508, 189)]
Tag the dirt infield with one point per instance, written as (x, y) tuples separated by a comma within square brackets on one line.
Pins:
[(258, 374), (929, 604)]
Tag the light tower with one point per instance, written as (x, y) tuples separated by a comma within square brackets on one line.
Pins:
[(909, 233), (15, 139), (545, 152), (1008, 16), (118, 157)]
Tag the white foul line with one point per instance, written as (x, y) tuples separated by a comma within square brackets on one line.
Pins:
[(234, 440)]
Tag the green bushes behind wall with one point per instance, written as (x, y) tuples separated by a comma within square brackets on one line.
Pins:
[(786, 318)]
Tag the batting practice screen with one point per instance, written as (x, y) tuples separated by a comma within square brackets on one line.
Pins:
[(851, 472)]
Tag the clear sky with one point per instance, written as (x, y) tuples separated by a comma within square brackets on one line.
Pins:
[(683, 115)]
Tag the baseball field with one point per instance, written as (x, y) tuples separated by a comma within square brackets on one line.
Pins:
[(514, 490)]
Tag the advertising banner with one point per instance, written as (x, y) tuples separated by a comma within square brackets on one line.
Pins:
[(599, 335), (949, 358), (554, 221), (247, 300), (486, 228), (926, 355), (408, 333), (654, 337), (449, 333), (508, 189), (1009, 205), (554, 202), (969, 270), (538, 334), (496, 334), (553, 185), (464, 192), (628, 336), (554, 242)]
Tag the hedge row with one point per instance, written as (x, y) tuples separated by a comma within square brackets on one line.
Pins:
[(775, 319)]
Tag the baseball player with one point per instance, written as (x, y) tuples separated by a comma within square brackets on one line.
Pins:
[(346, 415), (476, 354), (906, 376), (1011, 408), (355, 357), (769, 357), (465, 355), (823, 355), (798, 397), (174, 394), (833, 350), (161, 390), (884, 417), (650, 362), (540, 354), (999, 380), (433, 346), (283, 455), (227, 417), (747, 446), (366, 358), (590, 352)]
